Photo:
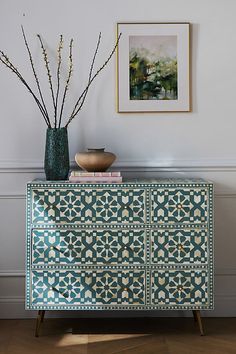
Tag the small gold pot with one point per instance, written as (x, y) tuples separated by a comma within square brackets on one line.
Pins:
[(95, 160)]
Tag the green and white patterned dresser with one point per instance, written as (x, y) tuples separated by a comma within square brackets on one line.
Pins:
[(138, 245)]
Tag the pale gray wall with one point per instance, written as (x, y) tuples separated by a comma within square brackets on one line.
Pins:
[(201, 143)]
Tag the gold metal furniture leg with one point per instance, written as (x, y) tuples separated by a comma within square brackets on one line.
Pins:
[(194, 316), (197, 318), (39, 320), (42, 317)]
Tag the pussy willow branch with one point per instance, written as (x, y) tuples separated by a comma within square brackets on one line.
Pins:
[(75, 112), (35, 75), (67, 80), (60, 47), (45, 57), (5, 60), (55, 97), (90, 75)]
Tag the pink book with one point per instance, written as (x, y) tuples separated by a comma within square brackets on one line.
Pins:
[(81, 173), (97, 174), (95, 179), (107, 174)]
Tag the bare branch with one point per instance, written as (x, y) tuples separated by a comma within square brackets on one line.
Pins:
[(75, 112), (5, 60), (90, 75), (46, 61), (35, 75), (58, 108), (60, 46), (67, 80)]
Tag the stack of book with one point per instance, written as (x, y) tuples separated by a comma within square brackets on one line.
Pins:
[(95, 177)]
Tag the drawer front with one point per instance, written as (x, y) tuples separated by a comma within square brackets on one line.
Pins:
[(88, 206), (179, 246), (87, 287), (172, 287), (88, 246), (179, 205)]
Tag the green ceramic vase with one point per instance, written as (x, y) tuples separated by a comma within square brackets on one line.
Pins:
[(56, 162)]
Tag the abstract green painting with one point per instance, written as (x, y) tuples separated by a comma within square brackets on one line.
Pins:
[(153, 67)]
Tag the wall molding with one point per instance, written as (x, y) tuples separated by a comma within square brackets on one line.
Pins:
[(158, 165), (12, 273), (12, 299), (224, 195), (13, 196)]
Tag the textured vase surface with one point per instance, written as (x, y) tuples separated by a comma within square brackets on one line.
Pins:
[(56, 162)]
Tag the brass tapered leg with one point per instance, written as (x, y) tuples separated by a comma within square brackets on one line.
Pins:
[(197, 318), (194, 316), (39, 320), (42, 317)]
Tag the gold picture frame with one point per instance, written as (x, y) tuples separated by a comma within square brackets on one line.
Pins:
[(153, 67)]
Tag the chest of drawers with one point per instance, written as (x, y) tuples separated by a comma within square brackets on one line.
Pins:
[(139, 245)]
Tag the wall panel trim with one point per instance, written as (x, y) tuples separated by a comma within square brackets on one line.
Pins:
[(13, 196), (162, 165), (12, 273)]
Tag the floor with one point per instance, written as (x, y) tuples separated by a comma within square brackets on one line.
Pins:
[(124, 336)]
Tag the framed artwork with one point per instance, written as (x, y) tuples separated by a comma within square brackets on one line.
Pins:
[(153, 67)]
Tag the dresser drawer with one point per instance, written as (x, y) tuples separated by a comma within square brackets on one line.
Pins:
[(87, 287), (88, 246), (179, 246), (188, 287), (179, 205), (100, 205)]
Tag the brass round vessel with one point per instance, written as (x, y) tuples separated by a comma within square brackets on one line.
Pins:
[(95, 160)]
